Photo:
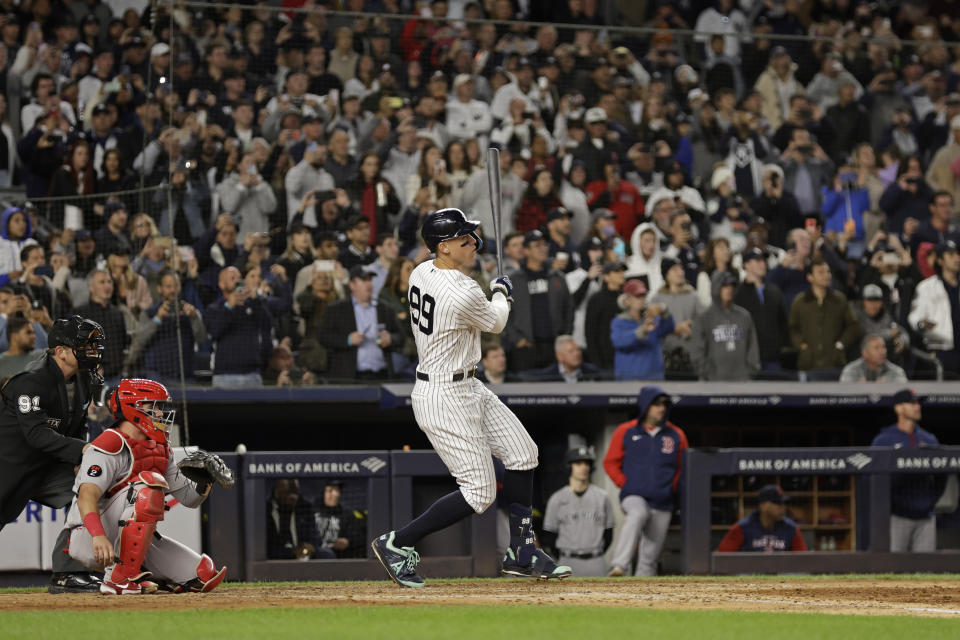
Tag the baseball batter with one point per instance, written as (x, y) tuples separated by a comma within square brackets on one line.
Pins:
[(464, 421), (120, 489)]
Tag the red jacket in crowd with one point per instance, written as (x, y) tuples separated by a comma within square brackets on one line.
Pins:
[(624, 200)]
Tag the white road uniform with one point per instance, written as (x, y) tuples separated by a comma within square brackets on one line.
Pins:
[(579, 521), (465, 422), (166, 558)]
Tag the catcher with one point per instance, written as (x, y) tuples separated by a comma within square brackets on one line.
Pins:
[(120, 489)]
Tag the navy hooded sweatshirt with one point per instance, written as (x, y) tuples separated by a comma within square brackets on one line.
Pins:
[(645, 462)]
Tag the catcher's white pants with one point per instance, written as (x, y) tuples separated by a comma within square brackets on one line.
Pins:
[(166, 558), (467, 424)]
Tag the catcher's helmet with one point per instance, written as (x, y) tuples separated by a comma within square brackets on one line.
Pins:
[(582, 453), (146, 404), (446, 224), (84, 337)]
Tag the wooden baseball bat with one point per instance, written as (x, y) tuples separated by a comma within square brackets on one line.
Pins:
[(496, 204)]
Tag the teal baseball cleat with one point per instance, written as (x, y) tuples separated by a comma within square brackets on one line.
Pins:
[(400, 562), (541, 567)]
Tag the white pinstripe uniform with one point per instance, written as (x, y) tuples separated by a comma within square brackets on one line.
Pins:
[(465, 422)]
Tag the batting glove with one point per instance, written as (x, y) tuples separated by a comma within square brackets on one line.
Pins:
[(504, 286)]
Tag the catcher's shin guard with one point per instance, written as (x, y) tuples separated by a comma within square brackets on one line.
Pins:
[(208, 577), (136, 536)]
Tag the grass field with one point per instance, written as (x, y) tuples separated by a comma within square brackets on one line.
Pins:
[(471, 622), (921, 607)]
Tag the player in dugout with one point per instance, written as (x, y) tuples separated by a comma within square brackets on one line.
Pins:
[(579, 521), (644, 460), (767, 529)]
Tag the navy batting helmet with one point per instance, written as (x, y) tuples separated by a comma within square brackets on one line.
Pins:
[(582, 453), (446, 224)]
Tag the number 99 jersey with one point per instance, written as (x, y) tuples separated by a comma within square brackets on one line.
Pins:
[(448, 310)]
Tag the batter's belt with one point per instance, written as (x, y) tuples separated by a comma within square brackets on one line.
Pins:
[(446, 377)]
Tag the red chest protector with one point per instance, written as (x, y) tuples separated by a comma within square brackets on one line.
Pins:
[(148, 455)]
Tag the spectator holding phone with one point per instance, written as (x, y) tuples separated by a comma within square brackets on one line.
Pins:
[(637, 334), (807, 169), (906, 201), (240, 325), (142, 228), (789, 276), (43, 90), (131, 291), (248, 197), (306, 177), (431, 180), (299, 252), (778, 207), (14, 305), (156, 257), (372, 196), (42, 151), (618, 195), (844, 206), (37, 283), (359, 333), (156, 338), (184, 220)]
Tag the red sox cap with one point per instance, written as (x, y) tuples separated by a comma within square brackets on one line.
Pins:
[(772, 493)]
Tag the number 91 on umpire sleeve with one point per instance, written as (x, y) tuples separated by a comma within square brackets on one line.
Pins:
[(421, 310), (26, 404)]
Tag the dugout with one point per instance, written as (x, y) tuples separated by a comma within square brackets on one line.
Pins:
[(756, 414), (867, 529), (387, 488), (760, 414)]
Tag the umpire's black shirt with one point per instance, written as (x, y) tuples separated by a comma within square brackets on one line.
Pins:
[(38, 424)]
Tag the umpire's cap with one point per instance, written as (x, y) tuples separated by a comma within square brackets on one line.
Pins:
[(582, 453), (446, 224)]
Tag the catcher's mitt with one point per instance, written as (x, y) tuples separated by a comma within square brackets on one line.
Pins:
[(206, 468)]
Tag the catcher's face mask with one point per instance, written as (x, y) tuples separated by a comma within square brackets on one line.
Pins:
[(159, 412), (146, 404)]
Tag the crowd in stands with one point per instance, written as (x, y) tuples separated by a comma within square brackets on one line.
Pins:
[(236, 192)]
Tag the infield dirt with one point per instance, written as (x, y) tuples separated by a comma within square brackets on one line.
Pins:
[(860, 597)]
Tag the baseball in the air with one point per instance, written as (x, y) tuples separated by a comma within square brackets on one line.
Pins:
[(241, 449)]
